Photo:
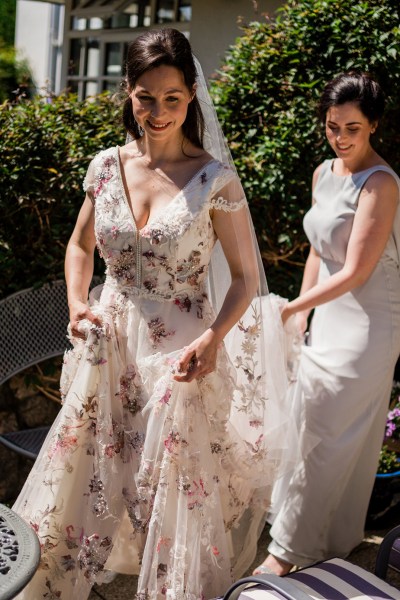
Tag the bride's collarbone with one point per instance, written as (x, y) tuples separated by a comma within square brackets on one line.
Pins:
[(172, 176), (149, 189)]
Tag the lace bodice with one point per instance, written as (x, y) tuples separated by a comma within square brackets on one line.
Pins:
[(169, 257)]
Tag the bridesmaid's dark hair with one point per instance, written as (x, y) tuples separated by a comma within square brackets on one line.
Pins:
[(353, 86), (153, 49)]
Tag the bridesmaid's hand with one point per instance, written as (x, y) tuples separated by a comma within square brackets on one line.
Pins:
[(199, 358), (285, 313), (302, 322), (79, 311)]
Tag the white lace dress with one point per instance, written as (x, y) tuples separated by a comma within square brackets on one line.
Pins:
[(139, 471)]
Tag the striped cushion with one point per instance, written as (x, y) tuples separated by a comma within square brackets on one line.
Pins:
[(334, 579)]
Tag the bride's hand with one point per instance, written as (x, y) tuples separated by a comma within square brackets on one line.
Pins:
[(199, 358), (79, 311)]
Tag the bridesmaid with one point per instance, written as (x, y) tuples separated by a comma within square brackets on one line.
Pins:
[(352, 280)]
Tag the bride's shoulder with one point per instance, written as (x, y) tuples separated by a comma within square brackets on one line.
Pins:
[(104, 154)]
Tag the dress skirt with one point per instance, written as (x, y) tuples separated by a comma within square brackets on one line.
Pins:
[(343, 389)]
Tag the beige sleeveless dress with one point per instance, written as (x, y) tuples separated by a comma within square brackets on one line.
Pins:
[(344, 382)]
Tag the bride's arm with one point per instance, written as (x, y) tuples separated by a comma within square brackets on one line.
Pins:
[(372, 226), (79, 267), (234, 232)]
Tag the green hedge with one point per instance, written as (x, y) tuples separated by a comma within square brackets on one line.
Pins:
[(45, 149), (266, 97)]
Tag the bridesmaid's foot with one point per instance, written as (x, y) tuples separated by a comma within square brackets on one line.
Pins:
[(273, 565)]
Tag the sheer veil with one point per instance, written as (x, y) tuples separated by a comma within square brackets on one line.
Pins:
[(260, 350)]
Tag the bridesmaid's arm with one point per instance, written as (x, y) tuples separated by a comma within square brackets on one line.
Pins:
[(79, 260), (310, 279), (373, 223), (311, 270)]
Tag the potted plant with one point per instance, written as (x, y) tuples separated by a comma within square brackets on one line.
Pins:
[(389, 463), (386, 489)]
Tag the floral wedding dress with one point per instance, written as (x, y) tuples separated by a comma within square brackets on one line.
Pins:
[(140, 472)]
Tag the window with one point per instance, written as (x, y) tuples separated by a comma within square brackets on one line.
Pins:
[(185, 11), (91, 88), (136, 14), (166, 11), (169, 11), (100, 35), (93, 58), (76, 55), (78, 24), (96, 23), (113, 63)]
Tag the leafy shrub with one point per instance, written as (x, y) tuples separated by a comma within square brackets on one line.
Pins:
[(45, 150), (15, 75), (7, 21), (388, 461), (266, 94)]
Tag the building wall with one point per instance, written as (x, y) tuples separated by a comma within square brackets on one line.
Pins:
[(37, 38), (39, 32), (214, 26)]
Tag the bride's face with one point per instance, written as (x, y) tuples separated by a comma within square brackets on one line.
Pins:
[(160, 101)]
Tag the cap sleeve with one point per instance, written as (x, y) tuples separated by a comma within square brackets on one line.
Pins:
[(227, 193), (89, 181)]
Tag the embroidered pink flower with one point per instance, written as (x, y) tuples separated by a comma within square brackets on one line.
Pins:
[(63, 444), (105, 175), (114, 232), (184, 304), (163, 541), (158, 331), (173, 441), (256, 423), (110, 450), (165, 398)]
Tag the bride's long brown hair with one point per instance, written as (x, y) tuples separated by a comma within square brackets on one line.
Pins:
[(153, 49)]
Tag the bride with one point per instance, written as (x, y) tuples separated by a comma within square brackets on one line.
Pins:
[(173, 428)]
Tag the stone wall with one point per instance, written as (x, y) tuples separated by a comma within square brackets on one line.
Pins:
[(27, 400)]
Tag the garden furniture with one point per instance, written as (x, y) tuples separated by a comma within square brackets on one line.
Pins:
[(19, 553)]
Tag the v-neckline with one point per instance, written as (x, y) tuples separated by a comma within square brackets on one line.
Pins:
[(166, 207)]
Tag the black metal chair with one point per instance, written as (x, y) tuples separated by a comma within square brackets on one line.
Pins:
[(388, 553), (33, 325), (26, 442)]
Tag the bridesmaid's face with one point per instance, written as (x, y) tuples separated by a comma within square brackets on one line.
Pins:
[(160, 101), (348, 131)]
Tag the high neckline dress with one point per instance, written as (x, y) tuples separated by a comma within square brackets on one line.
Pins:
[(343, 387), (139, 472)]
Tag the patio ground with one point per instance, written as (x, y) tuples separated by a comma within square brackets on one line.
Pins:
[(124, 587)]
